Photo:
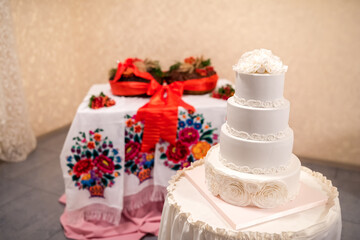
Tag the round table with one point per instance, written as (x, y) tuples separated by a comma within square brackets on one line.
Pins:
[(188, 215)]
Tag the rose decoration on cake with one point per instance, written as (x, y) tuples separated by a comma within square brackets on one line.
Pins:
[(234, 192), (260, 61), (270, 195), (94, 162)]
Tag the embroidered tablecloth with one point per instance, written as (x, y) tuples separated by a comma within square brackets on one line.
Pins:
[(105, 173)]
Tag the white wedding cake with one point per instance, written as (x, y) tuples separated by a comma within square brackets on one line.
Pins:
[(253, 165)]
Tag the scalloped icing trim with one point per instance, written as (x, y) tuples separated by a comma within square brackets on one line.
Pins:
[(260, 104), (230, 233), (257, 171), (257, 136)]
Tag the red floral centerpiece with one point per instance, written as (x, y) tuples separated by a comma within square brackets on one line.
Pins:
[(132, 77), (198, 74), (93, 163), (223, 92), (100, 101)]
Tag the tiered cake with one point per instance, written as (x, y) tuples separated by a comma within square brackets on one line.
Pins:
[(253, 165)]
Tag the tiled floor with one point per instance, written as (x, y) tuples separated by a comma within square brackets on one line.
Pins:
[(29, 193)]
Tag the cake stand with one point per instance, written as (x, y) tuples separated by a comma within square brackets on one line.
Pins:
[(188, 215)]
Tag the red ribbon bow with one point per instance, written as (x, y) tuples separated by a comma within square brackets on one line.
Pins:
[(160, 114), (127, 88)]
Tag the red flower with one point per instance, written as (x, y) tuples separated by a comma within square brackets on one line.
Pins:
[(188, 136), (209, 69), (97, 102), (137, 128), (83, 166), (110, 103), (91, 145), (177, 153), (201, 72), (104, 164), (131, 150), (190, 60)]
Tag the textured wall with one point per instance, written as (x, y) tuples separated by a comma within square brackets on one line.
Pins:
[(66, 46)]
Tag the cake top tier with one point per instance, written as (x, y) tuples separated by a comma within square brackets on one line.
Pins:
[(260, 61)]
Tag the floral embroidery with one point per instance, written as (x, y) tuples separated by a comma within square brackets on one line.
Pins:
[(195, 138), (138, 163), (93, 163)]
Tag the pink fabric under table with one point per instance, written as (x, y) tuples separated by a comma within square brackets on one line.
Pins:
[(112, 189)]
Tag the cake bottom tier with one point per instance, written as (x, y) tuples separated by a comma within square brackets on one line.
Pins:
[(245, 189)]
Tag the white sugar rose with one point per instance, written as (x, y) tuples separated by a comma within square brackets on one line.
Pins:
[(234, 193), (260, 61), (271, 195)]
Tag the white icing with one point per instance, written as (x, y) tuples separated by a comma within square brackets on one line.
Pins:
[(260, 61), (242, 189), (262, 89), (253, 153), (263, 121)]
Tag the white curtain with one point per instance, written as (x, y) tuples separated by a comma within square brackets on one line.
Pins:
[(17, 139)]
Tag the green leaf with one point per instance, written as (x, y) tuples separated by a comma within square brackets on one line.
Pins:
[(95, 154), (70, 165), (129, 164), (75, 178), (108, 176), (88, 154), (163, 156), (209, 140), (77, 158), (136, 139), (174, 66), (208, 133), (117, 167), (206, 63), (134, 168), (105, 152), (176, 167), (191, 158), (104, 181)]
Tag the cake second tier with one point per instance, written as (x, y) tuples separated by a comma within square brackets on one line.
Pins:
[(255, 156)]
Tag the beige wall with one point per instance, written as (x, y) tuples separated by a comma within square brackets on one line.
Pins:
[(66, 46)]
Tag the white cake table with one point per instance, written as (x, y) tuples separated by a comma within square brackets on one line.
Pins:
[(188, 215)]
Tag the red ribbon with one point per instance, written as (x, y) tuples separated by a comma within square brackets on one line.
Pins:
[(160, 114), (127, 88)]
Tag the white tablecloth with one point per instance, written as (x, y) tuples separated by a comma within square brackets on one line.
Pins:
[(188, 215), (133, 179)]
